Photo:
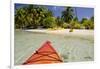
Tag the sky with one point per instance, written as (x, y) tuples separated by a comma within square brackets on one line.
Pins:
[(82, 12)]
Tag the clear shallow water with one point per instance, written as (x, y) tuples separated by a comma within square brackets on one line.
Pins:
[(70, 47)]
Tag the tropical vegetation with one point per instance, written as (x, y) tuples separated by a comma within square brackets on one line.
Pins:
[(33, 17)]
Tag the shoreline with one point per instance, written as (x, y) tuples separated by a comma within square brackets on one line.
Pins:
[(78, 41), (63, 31)]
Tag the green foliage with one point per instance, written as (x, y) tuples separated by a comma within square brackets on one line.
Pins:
[(92, 18), (65, 25), (59, 21), (67, 14), (49, 22), (88, 23), (75, 23), (77, 26), (75, 19), (20, 18), (82, 26), (71, 30), (33, 16), (83, 20)]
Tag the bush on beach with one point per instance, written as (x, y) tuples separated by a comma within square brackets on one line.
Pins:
[(71, 30)]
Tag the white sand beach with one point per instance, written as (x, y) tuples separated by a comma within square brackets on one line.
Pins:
[(64, 31)]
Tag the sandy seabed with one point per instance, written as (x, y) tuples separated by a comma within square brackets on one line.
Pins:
[(72, 46)]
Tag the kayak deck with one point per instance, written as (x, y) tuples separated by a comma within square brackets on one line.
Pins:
[(44, 55)]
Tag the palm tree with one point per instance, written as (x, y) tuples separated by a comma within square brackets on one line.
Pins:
[(83, 20), (59, 21), (68, 14), (92, 18), (31, 16), (20, 18)]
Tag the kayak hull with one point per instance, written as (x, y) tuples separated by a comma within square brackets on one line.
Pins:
[(46, 54)]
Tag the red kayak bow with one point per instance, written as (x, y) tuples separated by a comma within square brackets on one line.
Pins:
[(44, 55)]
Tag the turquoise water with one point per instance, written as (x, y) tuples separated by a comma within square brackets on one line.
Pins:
[(71, 48)]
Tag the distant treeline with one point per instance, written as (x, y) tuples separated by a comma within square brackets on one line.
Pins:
[(32, 17)]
